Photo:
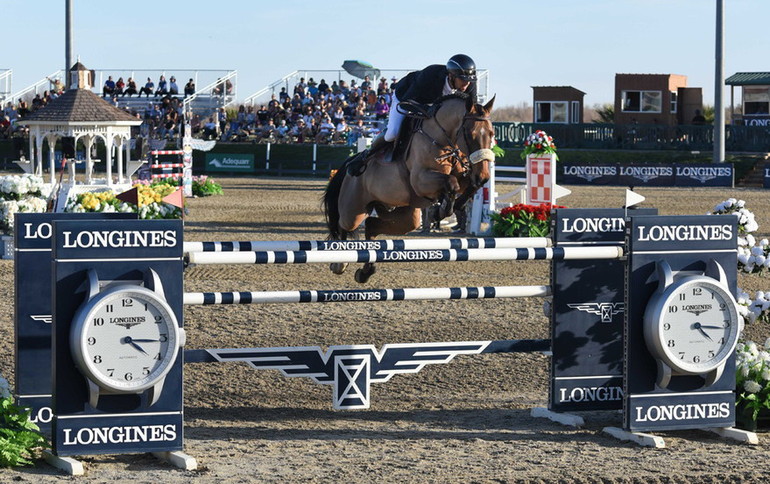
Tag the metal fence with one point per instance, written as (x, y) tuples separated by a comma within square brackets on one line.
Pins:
[(636, 136)]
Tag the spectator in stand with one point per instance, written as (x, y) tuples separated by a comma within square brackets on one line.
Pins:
[(382, 87), (189, 88), (367, 84), (56, 85), (22, 108), (381, 108), (355, 132), (173, 88), (300, 88), (119, 86), (37, 102), (335, 87), (341, 132), (297, 131), (130, 87), (5, 127), (282, 131), (162, 86), (323, 88), (310, 129), (109, 87), (148, 88), (325, 131), (222, 118), (210, 129), (283, 96), (338, 114)]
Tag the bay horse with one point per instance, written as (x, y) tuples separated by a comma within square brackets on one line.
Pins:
[(447, 159)]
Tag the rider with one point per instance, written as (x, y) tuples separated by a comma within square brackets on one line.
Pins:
[(425, 87)]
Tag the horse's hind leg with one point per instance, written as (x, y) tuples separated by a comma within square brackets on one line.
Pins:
[(339, 267), (397, 222)]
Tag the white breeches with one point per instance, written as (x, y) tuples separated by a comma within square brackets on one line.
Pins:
[(395, 118)]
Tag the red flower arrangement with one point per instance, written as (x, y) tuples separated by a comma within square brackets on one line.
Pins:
[(522, 220)]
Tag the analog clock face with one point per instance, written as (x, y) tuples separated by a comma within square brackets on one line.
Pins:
[(696, 326), (126, 340)]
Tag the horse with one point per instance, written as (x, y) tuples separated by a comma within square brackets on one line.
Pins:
[(446, 158)]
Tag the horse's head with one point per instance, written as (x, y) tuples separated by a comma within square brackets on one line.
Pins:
[(477, 134)]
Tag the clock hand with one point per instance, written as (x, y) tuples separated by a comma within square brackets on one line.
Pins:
[(129, 340), (146, 340), (699, 327), (714, 327)]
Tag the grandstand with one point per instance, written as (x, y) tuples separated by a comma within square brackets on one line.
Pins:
[(291, 79)]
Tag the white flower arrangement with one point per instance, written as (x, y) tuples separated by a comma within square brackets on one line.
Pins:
[(21, 193), (752, 369), (757, 309), (752, 257)]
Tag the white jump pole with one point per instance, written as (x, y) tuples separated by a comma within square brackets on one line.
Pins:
[(383, 244), (365, 295), (446, 255)]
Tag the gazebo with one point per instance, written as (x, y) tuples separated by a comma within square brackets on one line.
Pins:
[(81, 115)]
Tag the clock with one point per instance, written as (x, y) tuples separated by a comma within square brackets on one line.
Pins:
[(125, 338), (691, 324)]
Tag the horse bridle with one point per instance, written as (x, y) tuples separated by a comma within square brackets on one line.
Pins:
[(452, 150)]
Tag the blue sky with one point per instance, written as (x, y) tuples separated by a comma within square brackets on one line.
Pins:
[(522, 43)]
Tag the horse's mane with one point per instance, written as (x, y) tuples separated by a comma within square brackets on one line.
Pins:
[(455, 95)]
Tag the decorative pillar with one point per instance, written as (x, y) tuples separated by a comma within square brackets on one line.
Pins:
[(39, 157), (119, 166), (51, 138), (88, 141), (108, 141)]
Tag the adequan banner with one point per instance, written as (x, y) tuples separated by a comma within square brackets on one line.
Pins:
[(678, 174)]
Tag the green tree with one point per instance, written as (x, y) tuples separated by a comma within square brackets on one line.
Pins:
[(605, 112)]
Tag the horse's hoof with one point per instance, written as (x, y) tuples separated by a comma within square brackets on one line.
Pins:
[(338, 267), (362, 276)]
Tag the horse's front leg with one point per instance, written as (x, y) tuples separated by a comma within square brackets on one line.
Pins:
[(399, 221)]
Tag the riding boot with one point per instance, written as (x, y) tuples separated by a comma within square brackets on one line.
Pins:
[(357, 165)]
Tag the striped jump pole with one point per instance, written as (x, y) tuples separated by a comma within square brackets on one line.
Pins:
[(443, 255), (405, 244), (362, 295)]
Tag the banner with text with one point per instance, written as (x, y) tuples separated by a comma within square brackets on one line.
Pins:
[(230, 162), (679, 174)]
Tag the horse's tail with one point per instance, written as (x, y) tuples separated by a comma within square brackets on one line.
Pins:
[(331, 204)]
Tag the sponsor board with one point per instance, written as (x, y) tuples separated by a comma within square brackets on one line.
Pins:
[(678, 174), (230, 162)]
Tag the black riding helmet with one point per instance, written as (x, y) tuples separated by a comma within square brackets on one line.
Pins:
[(462, 66)]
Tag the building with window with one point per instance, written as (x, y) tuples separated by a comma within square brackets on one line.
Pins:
[(557, 104), (661, 99), (754, 109)]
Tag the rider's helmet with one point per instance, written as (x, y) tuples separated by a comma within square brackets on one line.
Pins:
[(462, 66)]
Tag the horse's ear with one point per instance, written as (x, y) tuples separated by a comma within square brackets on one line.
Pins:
[(488, 106)]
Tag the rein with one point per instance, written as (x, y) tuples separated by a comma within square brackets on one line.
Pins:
[(451, 149)]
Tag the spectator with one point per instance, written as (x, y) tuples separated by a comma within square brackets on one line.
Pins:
[(366, 85), (131, 87), (222, 118), (382, 87), (283, 95), (335, 87), (323, 88), (109, 87), (698, 119), (282, 131), (381, 108), (162, 86), (340, 132), (173, 88), (189, 88), (325, 131), (148, 88), (56, 85), (119, 86), (355, 132), (210, 129)]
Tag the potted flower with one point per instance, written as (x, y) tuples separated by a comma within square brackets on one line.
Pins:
[(19, 193), (150, 202), (752, 385), (522, 220), (539, 144)]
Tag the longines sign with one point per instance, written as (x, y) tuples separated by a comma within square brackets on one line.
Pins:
[(680, 174)]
